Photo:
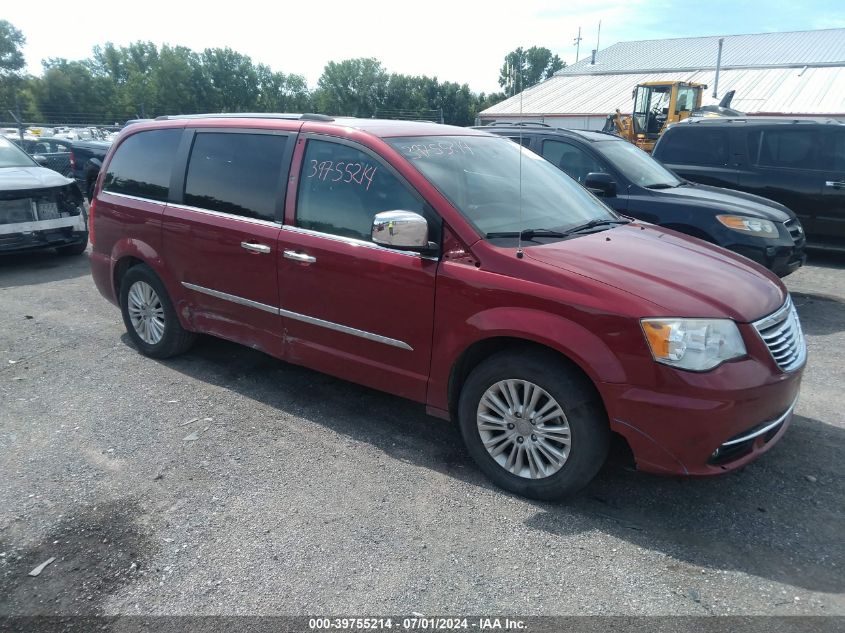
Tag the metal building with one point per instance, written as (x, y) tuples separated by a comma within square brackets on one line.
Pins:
[(801, 73)]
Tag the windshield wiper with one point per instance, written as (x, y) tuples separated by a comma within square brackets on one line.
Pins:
[(527, 234), (662, 185), (592, 224)]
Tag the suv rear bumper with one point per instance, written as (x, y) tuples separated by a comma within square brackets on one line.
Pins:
[(709, 430)]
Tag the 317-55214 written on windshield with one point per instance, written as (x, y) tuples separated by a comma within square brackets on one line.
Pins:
[(436, 149)]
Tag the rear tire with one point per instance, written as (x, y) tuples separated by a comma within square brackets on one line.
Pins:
[(149, 316), (568, 443)]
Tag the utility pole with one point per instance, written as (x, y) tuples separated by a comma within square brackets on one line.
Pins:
[(17, 117), (577, 43)]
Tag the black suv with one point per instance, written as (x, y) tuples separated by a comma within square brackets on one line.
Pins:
[(798, 162), (634, 184)]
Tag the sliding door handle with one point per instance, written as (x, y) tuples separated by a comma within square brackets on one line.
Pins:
[(255, 248), (300, 257)]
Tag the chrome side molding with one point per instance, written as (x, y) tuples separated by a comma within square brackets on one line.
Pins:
[(330, 325)]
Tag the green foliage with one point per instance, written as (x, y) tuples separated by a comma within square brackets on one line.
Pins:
[(143, 80), (11, 49), (353, 87), (529, 67)]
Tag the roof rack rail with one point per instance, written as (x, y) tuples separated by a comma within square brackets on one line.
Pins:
[(516, 124), (308, 116), (784, 120)]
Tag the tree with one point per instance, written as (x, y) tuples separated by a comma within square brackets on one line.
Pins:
[(352, 87), (11, 49), (68, 92), (529, 67)]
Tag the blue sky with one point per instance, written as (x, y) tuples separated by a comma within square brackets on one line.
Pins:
[(464, 42)]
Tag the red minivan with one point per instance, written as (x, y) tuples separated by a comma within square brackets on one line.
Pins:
[(454, 268)]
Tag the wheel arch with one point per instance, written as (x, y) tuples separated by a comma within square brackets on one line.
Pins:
[(482, 349), (692, 231), (129, 253)]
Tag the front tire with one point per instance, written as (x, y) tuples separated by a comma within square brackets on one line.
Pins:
[(533, 424), (149, 315)]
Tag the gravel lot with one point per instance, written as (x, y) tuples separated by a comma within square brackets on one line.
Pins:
[(302, 494)]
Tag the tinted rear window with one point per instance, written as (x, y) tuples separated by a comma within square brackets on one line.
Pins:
[(238, 174), (694, 146), (141, 165)]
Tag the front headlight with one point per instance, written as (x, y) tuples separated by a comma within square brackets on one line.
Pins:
[(694, 344), (754, 226)]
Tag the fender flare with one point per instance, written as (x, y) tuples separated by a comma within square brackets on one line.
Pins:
[(563, 335), (137, 249)]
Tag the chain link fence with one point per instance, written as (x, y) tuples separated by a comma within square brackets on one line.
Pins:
[(51, 144)]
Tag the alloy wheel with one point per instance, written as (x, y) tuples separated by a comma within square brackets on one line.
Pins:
[(146, 312), (524, 429)]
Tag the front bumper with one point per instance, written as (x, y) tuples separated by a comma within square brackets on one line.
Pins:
[(706, 423), (781, 259), (782, 256), (66, 231)]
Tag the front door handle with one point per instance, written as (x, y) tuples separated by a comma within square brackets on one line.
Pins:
[(835, 184), (255, 248), (300, 257)]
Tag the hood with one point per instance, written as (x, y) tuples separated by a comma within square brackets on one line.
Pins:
[(16, 178), (727, 201), (680, 276)]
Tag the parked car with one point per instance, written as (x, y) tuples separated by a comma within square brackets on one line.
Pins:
[(636, 185), (798, 162), (86, 159), (449, 266), (51, 152), (39, 208)]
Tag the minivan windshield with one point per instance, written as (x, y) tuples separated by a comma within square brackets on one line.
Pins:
[(13, 156), (637, 166), (487, 182)]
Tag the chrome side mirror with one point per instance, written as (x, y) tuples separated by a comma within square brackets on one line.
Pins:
[(400, 229)]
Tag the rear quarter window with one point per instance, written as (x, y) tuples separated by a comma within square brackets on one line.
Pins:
[(694, 146), (142, 164), (797, 148)]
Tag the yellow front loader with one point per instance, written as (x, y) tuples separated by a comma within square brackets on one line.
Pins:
[(657, 104)]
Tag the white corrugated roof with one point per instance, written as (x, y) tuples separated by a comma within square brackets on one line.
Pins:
[(810, 91), (796, 48)]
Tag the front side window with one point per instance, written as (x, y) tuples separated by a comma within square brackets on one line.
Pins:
[(571, 159), (236, 173), (833, 151), (142, 164), (342, 188), (500, 187)]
